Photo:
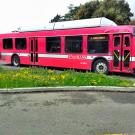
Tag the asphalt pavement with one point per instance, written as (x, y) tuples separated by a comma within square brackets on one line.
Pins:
[(68, 110), (72, 113)]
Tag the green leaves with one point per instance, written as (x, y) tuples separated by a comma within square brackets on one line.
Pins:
[(57, 18), (116, 10)]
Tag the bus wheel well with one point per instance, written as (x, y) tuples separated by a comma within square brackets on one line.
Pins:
[(14, 56), (15, 60), (96, 59)]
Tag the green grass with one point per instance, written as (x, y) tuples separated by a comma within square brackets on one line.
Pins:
[(39, 77)]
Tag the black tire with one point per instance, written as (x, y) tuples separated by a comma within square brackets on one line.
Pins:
[(100, 66), (16, 61)]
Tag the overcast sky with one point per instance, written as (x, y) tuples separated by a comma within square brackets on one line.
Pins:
[(22, 13)]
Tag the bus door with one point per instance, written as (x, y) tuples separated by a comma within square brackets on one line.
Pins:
[(126, 53), (34, 50), (121, 52)]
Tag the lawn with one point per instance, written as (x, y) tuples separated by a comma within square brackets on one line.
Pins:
[(40, 77)]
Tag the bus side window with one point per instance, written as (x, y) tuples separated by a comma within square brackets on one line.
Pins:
[(98, 44), (20, 43), (8, 43), (53, 44), (73, 44)]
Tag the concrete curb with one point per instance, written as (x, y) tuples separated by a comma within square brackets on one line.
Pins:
[(68, 89)]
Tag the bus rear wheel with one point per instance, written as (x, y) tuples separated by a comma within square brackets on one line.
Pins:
[(100, 66), (16, 61)]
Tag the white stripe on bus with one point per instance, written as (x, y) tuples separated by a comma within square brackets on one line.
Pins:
[(6, 54), (20, 54), (52, 56), (61, 56), (132, 58), (24, 54), (106, 57)]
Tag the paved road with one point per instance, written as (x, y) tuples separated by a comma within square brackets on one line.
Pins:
[(81, 113)]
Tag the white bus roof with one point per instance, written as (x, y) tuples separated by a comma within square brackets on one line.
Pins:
[(84, 23)]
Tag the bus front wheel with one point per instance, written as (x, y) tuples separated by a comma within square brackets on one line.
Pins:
[(15, 61), (100, 66)]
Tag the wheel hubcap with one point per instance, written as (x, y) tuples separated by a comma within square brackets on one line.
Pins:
[(101, 67), (16, 61)]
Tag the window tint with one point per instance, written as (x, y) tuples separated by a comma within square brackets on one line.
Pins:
[(127, 41), (126, 58), (73, 44), (53, 44), (36, 48), (31, 46), (8, 43), (20, 43), (117, 41), (98, 44)]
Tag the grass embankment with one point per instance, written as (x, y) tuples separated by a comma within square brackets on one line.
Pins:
[(38, 77)]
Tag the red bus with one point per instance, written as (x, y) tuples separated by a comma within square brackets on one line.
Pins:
[(91, 44)]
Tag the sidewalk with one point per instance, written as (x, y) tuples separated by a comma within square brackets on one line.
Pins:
[(68, 89)]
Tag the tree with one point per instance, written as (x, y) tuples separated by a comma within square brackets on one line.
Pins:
[(81, 12), (57, 18), (68, 16), (72, 12), (116, 10), (86, 11)]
